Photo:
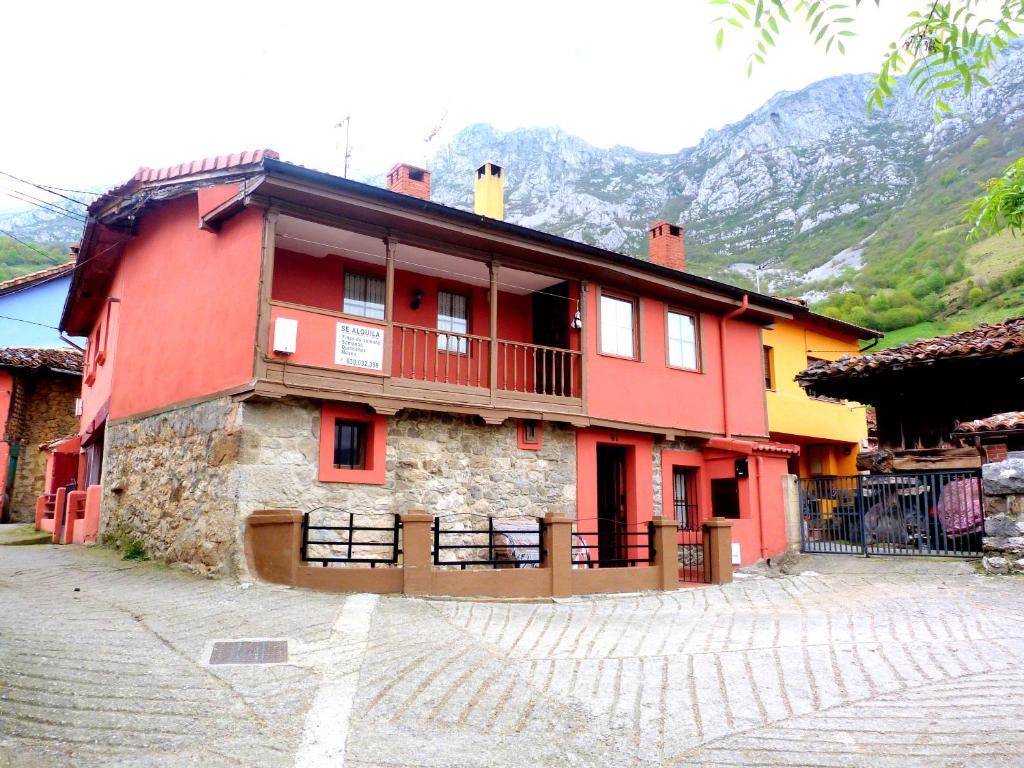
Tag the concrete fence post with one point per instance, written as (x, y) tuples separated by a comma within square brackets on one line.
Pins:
[(718, 550), (76, 500), (273, 538), (666, 552), (791, 500), (40, 511), (416, 546), (558, 553), (93, 505)]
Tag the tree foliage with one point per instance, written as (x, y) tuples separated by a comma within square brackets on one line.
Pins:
[(1002, 205)]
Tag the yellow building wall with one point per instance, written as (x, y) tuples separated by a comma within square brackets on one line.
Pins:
[(828, 432)]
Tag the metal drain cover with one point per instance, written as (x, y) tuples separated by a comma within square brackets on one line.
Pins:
[(249, 652)]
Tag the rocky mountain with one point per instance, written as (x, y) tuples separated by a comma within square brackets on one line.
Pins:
[(805, 180)]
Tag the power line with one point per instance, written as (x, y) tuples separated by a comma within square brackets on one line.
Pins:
[(45, 189), (42, 204), (30, 322), (26, 244)]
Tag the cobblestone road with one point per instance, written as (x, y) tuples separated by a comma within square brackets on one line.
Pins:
[(857, 663)]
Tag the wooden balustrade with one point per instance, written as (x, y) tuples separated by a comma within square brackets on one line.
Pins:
[(538, 370), (432, 355), (427, 354)]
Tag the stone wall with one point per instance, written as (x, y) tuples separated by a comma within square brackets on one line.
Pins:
[(46, 414), (1003, 544), (170, 483), (442, 464), (675, 445)]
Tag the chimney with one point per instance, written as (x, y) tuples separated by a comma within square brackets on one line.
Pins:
[(667, 245), (490, 191), (409, 180)]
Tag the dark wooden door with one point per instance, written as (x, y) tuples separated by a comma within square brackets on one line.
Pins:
[(611, 503), (551, 329)]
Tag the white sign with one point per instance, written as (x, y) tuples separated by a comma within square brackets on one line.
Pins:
[(359, 346)]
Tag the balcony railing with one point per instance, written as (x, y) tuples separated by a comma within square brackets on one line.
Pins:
[(538, 370), (427, 354)]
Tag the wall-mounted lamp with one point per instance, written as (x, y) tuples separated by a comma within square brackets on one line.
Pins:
[(417, 299)]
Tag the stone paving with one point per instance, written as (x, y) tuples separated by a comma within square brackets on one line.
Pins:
[(846, 662)]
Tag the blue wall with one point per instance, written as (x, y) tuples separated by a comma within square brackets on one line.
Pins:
[(41, 303)]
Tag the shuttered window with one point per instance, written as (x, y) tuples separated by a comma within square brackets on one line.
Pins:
[(364, 296), (682, 340), (452, 315)]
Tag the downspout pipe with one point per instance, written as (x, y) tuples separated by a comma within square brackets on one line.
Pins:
[(743, 307)]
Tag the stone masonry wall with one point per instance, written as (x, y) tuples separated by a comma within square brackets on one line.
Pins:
[(170, 483), (48, 414), (676, 445), (442, 464), (1003, 544)]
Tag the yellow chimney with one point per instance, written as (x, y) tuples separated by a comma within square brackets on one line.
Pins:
[(490, 191)]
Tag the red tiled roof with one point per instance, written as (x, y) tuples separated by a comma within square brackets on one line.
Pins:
[(33, 357), (23, 281), (1000, 422), (145, 176), (984, 341)]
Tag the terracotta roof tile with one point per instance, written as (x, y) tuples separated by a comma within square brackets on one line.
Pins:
[(34, 357), (984, 341), (1000, 422), (9, 286), (145, 176)]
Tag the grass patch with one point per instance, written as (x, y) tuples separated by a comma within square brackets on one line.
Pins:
[(134, 551)]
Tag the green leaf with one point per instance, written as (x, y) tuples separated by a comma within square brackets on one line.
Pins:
[(720, 37), (943, 106)]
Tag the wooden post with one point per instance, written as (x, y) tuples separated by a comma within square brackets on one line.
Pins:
[(666, 551), (389, 302), (718, 550), (492, 268), (416, 560), (583, 343), (558, 553), (266, 290)]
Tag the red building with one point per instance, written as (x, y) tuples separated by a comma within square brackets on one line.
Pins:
[(264, 335)]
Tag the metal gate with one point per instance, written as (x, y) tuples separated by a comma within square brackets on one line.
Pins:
[(934, 514)]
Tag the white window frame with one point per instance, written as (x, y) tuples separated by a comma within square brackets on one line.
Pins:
[(447, 320), (677, 342), (618, 337), (363, 305)]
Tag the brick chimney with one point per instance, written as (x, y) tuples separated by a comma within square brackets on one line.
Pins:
[(667, 245), (410, 180)]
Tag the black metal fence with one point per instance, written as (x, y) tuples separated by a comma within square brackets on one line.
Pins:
[(691, 555), (350, 543), (938, 514), (613, 546), (505, 545)]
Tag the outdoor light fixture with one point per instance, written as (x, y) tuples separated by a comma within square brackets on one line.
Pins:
[(577, 320), (417, 299)]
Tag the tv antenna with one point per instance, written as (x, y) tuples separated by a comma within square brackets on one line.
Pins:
[(433, 135), (762, 267), (347, 124)]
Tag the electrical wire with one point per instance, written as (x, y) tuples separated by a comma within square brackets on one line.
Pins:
[(30, 322), (38, 203), (46, 189), (26, 244)]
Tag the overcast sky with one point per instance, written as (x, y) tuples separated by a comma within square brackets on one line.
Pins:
[(92, 90)]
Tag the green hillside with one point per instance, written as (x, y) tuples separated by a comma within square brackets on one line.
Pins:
[(18, 259), (921, 276)]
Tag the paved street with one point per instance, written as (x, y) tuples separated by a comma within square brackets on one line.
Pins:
[(849, 663)]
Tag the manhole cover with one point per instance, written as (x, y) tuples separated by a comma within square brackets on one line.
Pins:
[(249, 652)]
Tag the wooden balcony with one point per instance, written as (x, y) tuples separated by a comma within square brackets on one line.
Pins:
[(426, 365)]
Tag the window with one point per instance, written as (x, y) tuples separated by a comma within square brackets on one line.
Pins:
[(682, 340), (684, 497), (353, 445), (530, 434), (618, 326), (364, 296), (769, 368), (725, 498), (349, 444), (452, 315)]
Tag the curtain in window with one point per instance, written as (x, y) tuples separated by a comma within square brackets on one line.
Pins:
[(682, 340), (452, 315), (684, 497), (617, 326), (364, 296)]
